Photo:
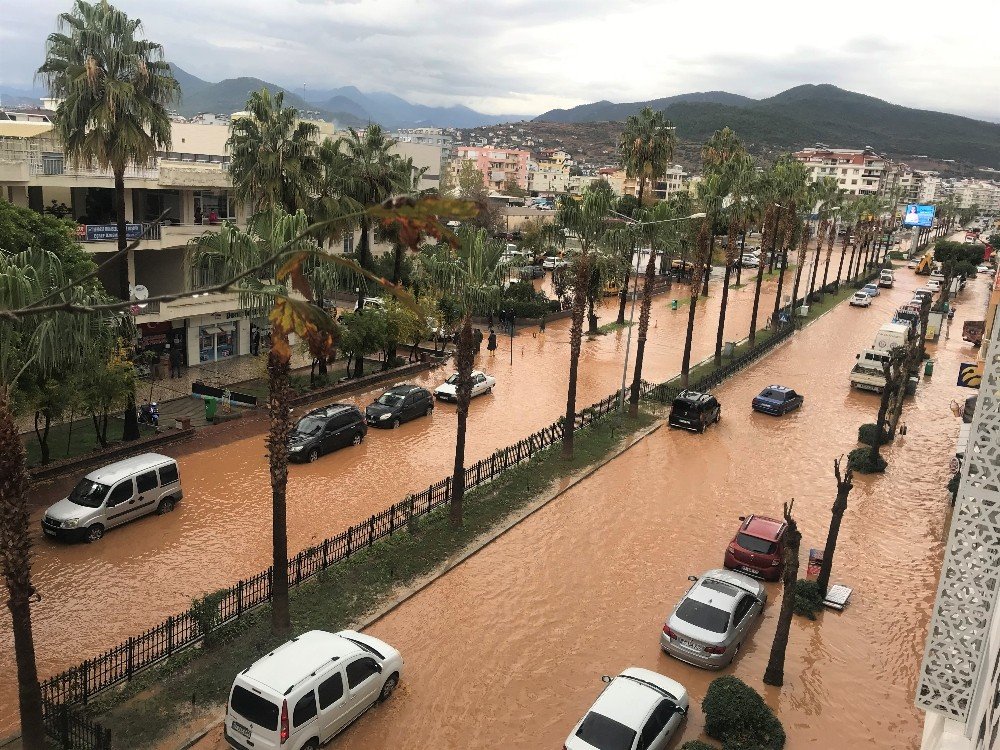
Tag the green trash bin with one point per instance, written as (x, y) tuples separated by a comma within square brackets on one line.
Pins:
[(929, 368), (673, 304), (211, 405)]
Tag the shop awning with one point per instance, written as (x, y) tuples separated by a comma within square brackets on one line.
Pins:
[(211, 330), (228, 327)]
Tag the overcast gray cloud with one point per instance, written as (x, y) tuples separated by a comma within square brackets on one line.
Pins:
[(528, 56)]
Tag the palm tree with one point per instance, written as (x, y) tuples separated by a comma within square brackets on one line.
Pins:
[(791, 189), (588, 219), (646, 147), (274, 161), (739, 174), (775, 672), (763, 206), (115, 89), (848, 215), (473, 277), (844, 487), (826, 193), (710, 195)]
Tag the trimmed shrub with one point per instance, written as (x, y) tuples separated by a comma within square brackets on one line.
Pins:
[(808, 598), (867, 433), (737, 716), (863, 461)]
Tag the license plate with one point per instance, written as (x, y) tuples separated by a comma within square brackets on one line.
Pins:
[(687, 644), (245, 731), (751, 571), (50, 532), (867, 387)]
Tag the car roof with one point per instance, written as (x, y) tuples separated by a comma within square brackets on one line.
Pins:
[(722, 588), (627, 702), (121, 469), (763, 527), (404, 388), (290, 663), (694, 397), (779, 388), (329, 410)]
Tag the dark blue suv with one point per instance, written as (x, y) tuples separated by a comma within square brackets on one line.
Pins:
[(777, 400)]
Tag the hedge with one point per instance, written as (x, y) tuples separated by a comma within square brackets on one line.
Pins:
[(737, 716)]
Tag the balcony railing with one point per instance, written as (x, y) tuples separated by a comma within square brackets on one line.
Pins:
[(55, 164)]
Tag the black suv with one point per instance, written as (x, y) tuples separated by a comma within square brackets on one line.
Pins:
[(326, 429), (692, 410), (399, 404)]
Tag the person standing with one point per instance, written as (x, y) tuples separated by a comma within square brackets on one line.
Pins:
[(478, 339), (541, 322), (492, 343), (175, 361)]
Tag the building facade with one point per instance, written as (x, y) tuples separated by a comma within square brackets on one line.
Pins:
[(496, 165), (858, 172)]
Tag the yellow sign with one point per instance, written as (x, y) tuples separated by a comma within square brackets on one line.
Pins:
[(969, 375)]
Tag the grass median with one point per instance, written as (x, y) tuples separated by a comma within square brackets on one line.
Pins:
[(175, 694)]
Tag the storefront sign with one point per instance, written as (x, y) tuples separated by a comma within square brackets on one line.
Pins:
[(107, 232), (969, 375)]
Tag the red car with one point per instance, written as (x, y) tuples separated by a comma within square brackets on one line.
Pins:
[(757, 547)]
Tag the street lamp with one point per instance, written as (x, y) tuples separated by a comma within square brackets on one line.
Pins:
[(635, 291)]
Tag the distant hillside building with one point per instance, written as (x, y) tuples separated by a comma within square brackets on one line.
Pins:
[(497, 166), (429, 136), (982, 193), (857, 171)]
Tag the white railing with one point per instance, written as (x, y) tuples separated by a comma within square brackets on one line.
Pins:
[(56, 164)]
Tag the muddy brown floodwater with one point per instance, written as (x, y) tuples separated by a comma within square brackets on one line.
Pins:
[(507, 650)]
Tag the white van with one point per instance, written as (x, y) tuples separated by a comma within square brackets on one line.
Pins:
[(890, 336), (114, 495), (307, 690)]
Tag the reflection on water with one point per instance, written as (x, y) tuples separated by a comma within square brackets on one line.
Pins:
[(95, 596)]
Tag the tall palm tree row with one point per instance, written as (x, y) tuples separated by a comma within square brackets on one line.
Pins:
[(646, 148), (710, 194), (827, 196), (765, 209), (115, 89)]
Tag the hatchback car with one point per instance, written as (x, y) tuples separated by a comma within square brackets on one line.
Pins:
[(860, 299), (692, 410), (481, 383), (713, 619), (326, 429), (399, 404), (639, 709), (777, 400), (750, 261), (871, 290), (934, 285), (758, 547)]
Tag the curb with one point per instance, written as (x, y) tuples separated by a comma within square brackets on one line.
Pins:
[(476, 547)]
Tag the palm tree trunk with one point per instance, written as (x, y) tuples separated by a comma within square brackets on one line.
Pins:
[(277, 450), (640, 349), (781, 281), (364, 256), (42, 435), (692, 304), (397, 263), (722, 316), (844, 487), (575, 340), (708, 263), (130, 430), (15, 558), (775, 672), (756, 304), (464, 357), (815, 268), (591, 316), (739, 266), (623, 295)]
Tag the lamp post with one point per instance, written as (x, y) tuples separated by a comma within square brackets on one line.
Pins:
[(635, 290)]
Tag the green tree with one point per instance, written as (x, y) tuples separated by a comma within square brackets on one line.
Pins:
[(956, 259), (711, 192), (363, 332), (844, 486), (762, 209), (827, 197)]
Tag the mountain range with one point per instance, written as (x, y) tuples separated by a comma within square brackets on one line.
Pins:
[(808, 114), (346, 105)]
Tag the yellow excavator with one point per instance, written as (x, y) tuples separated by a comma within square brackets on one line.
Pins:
[(926, 264)]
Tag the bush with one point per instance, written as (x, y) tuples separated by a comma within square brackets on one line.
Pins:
[(697, 745), (533, 309), (737, 716), (521, 291), (863, 461), (867, 433), (808, 598)]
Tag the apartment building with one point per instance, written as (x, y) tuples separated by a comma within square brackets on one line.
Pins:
[(191, 189), (673, 180), (858, 172), (496, 165), (982, 193), (929, 186), (438, 137)]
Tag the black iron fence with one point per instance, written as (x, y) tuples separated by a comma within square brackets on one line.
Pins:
[(71, 731)]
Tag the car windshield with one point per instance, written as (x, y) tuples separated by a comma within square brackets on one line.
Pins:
[(310, 425), (755, 544), (703, 616), (685, 408), (389, 399), (772, 394), (604, 733), (453, 380), (254, 708), (88, 494)]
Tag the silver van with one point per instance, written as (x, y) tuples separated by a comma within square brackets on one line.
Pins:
[(114, 495)]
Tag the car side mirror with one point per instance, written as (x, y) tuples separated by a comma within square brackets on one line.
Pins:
[(378, 667), (680, 710), (743, 518), (692, 578), (607, 678)]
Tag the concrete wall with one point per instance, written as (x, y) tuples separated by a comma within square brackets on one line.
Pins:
[(161, 271)]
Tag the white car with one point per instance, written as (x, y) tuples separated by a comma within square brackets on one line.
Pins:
[(638, 709), (934, 285), (481, 383), (984, 269), (750, 261), (550, 263), (860, 299)]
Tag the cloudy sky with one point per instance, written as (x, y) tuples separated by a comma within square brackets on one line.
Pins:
[(527, 56)]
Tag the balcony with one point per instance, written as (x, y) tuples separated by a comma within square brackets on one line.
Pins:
[(105, 239), (52, 164)]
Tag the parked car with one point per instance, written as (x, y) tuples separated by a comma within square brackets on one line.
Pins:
[(481, 383), (371, 303), (713, 619), (750, 261), (886, 278), (551, 262), (984, 269), (326, 429), (871, 290), (309, 689), (860, 299), (777, 400), (639, 709), (693, 410), (399, 404), (113, 496), (911, 264), (934, 285), (757, 547)]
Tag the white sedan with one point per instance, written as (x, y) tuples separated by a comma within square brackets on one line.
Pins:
[(934, 285), (860, 299), (638, 709), (550, 263), (481, 383), (984, 269)]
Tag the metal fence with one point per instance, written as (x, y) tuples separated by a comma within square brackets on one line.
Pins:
[(70, 731)]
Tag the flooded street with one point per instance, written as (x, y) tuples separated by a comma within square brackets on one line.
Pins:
[(94, 596), (507, 650)]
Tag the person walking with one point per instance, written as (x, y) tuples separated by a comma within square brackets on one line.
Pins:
[(175, 361), (541, 322), (492, 343), (478, 339)]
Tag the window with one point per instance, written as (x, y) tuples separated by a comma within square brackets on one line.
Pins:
[(361, 670), (168, 474), (331, 691), (742, 608), (704, 616), (854, 182), (305, 709), (146, 482), (655, 724), (604, 733), (755, 544), (254, 708), (120, 494)]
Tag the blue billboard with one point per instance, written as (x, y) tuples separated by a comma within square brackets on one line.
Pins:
[(107, 232), (918, 215)]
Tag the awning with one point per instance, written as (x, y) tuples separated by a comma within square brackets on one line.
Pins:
[(228, 327), (211, 330)]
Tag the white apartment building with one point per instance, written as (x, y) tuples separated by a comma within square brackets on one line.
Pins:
[(982, 193), (959, 681), (438, 137), (858, 172), (929, 187), (190, 187)]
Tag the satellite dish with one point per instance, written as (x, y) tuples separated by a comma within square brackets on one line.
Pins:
[(140, 292)]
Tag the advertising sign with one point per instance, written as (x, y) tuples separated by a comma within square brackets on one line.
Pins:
[(969, 375), (918, 215), (107, 232)]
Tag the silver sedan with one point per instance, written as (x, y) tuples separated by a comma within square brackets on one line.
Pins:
[(714, 617)]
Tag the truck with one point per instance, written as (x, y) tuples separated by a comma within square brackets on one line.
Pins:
[(972, 331), (868, 373), (891, 335)]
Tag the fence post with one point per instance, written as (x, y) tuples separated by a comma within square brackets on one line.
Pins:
[(63, 722), (239, 598), (85, 688), (350, 535), (447, 490), (411, 518), (298, 568), (371, 531), (170, 635), (326, 550)]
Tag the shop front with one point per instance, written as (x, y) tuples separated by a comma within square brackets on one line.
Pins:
[(216, 341), (217, 337)]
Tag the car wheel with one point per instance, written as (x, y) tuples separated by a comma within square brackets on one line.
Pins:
[(310, 745), (395, 423), (718, 416), (429, 411), (490, 389), (95, 532), (389, 687), (313, 455), (358, 437), (166, 505)]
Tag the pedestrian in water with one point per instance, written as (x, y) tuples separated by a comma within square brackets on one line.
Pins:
[(541, 322), (492, 343), (478, 340)]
